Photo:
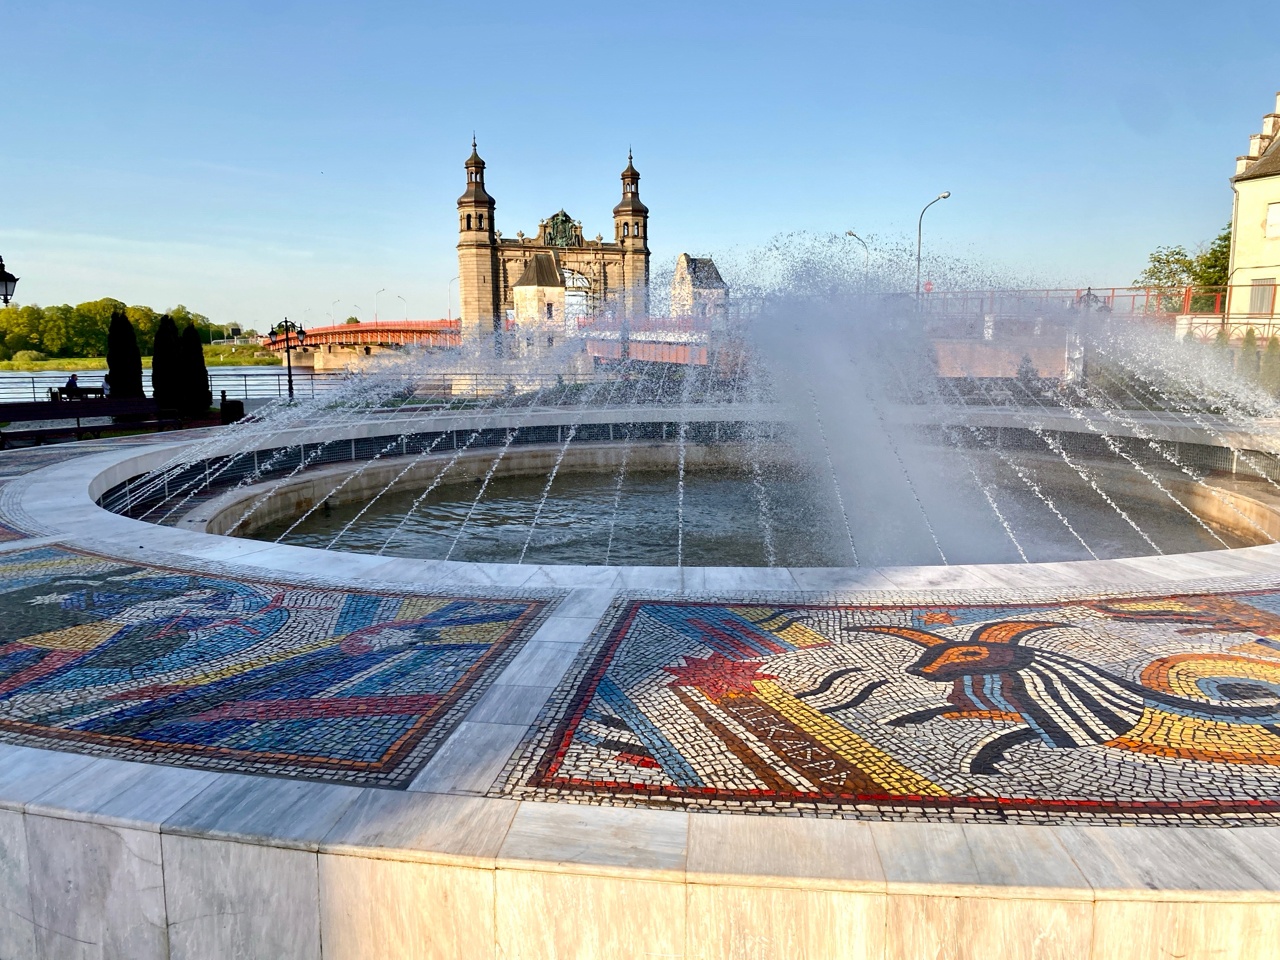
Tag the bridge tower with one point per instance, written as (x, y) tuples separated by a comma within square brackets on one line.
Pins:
[(479, 293), (631, 234)]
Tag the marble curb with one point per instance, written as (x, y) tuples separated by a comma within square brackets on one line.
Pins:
[(1000, 862), (58, 502)]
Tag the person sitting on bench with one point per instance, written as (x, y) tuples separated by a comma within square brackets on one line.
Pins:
[(72, 388)]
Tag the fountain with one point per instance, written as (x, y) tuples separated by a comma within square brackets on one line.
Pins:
[(815, 413), (818, 572)]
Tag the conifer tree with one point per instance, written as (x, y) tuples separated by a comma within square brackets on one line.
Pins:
[(1248, 363), (196, 395), (166, 366), (1269, 374), (1222, 347), (124, 361)]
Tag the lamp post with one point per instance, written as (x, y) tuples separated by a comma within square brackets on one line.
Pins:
[(332, 313), (866, 255), (7, 282), (449, 296), (375, 304), (919, 234), (406, 306), (286, 328)]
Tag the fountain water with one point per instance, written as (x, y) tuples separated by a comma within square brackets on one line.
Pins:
[(820, 401)]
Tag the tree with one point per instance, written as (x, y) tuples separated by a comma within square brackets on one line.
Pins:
[(1211, 265), (352, 320), (1269, 373), (1247, 366), (166, 365), (124, 360), (196, 397), (1170, 270)]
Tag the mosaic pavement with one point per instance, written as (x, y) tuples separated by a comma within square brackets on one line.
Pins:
[(1112, 710), (144, 663)]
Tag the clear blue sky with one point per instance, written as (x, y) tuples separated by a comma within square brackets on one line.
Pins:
[(253, 160)]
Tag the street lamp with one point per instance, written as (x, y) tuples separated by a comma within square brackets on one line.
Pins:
[(448, 293), (866, 255), (7, 282), (332, 313), (406, 306), (285, 328), (919, 231), (375, 304)]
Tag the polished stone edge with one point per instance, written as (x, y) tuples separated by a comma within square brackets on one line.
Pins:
[(992, 861), (59, 500)]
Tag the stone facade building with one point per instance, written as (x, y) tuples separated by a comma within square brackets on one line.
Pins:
[(1255, 228), (697, 289), (600, 276)]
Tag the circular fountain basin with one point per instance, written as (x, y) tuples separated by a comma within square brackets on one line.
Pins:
[(587, 517)]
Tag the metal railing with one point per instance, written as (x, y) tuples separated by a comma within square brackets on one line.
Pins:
[(239, 384)]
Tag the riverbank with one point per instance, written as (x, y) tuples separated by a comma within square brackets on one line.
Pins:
[(214, 356)]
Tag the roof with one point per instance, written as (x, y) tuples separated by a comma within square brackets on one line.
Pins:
[(1267, 165), (541, 271), (704, 275)]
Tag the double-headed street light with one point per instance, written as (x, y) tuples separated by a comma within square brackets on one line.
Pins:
[(7, 283), (289, 330), (919, 234)]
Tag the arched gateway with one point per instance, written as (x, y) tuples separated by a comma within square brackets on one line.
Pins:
[(614, 274)]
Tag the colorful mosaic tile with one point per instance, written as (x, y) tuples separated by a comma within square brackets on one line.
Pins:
[(1113, 710), (144, 663)]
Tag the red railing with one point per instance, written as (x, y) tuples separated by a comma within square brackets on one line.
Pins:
[(1236, 301)]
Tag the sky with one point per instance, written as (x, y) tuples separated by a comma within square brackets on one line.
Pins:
[(260, 160)]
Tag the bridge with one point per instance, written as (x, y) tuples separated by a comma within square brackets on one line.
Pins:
[(950, 314)]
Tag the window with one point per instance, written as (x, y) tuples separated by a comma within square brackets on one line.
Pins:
[(1273, 220), (468, 221), (626, 229), (1262, 297), (548, 311)]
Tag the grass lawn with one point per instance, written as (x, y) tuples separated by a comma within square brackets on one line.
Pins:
[(222, 355)]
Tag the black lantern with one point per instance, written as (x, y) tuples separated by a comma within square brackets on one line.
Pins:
[(284, 328), (7, 283)]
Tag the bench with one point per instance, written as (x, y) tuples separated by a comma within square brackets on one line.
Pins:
[(63, 394), (137, 414)]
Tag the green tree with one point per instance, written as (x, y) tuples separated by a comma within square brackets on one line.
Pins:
[(124, 360), (196, 395), (1247, 365), (352, 320), (1211, 265), (145, 322), (1221, 346), (20, 327), (1170, 270), (87, 336), (166, 365), (1269, 373)]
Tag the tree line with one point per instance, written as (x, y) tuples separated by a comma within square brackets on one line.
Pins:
[(82, 330), (179, 379)]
